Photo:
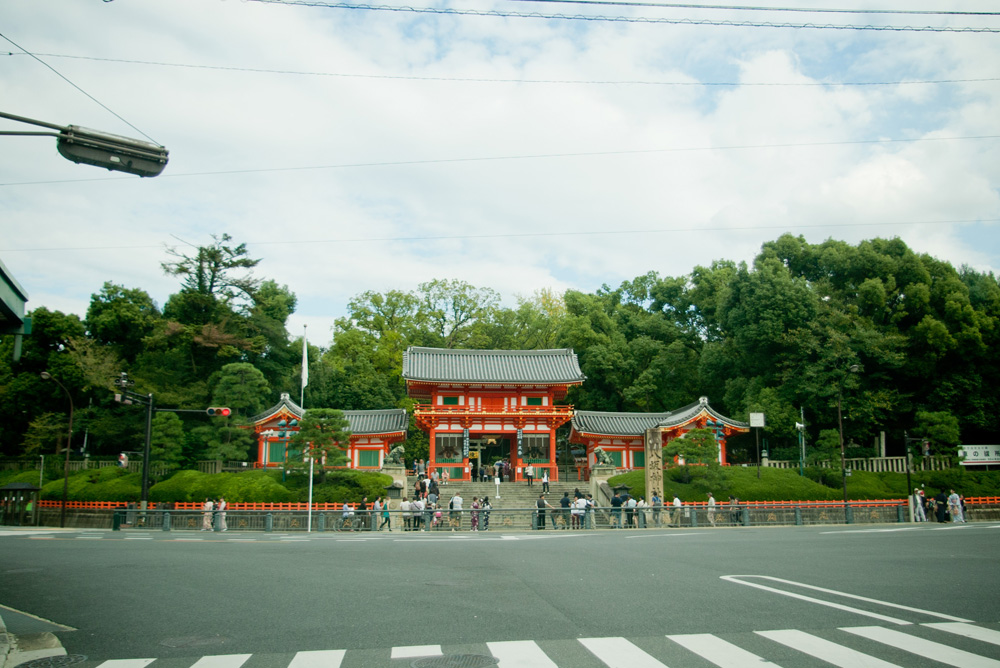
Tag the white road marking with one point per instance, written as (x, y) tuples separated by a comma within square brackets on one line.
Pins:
[(838, 606), (720, 652), (414, 651), (221, 661), (520, 654), (126, 663), (831, 652), (925, 648), (619, 653), (330, 658), (968, 631)]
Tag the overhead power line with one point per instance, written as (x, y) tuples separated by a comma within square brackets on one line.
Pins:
[(755, 8), (519, 235), (91, 97), (622, 19), (537, 156), (609, 82)]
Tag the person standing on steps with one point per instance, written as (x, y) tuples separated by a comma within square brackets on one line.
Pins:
[(545, 481)]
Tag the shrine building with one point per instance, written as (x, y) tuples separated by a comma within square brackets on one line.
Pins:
[(372, 434), (480, 406), (622, 435)]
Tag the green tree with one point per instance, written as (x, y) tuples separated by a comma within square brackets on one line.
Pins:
[(697, 446), (167, 441), (941, 429), (242, 387), (323, 436), (121, 318)]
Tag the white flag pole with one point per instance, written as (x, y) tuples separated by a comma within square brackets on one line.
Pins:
[(309, 514), (305, 368)]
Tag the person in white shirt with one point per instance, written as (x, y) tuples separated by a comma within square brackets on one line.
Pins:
[(711, 509), (404, 507), (676, 520), (455, 516)]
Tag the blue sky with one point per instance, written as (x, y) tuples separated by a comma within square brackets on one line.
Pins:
[(589, 158)]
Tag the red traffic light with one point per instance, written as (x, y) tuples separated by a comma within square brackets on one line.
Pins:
[(218, 411)]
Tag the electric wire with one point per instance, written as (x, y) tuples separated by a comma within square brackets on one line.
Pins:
[(610, 82), (622, 19), (501, 158), (754, 8), (91, 97), (519, 235)]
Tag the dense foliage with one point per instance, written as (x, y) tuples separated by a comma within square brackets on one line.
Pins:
[(778, 336)]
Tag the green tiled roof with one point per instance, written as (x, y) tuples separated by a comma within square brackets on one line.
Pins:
[(377, 422), (538, 367), (634, 424), (386, 421)]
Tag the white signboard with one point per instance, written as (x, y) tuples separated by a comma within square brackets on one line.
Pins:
[(979, 454), (756, 419)]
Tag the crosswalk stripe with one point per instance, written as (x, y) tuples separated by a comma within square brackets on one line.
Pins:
[(520, 654), (329, 658), (831, 652), (221, 661), (916, 645), (720, 652), (619, 653), (968, 631), (414, 651), (126, 663)]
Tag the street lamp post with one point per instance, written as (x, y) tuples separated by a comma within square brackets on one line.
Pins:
[(69, 442), (854, 368)]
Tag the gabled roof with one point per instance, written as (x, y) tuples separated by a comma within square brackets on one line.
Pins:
[(385, 421), (377, 422), (615, 424), (532, 367), (284, 405), (635, 424)]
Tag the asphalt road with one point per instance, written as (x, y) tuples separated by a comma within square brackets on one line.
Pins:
[(165, 596)]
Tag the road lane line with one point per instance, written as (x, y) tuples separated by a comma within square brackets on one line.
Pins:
[(221, 661), (828, 651), (619, 653), (734, 578), (520, 654), (414, 651), (968, 631), (325, 658), (925, 648), (126, 663), (720, 652)]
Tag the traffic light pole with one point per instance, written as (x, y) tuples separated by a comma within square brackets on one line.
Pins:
[(129, 397)]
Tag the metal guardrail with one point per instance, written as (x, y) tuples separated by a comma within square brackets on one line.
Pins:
[(523, 519)]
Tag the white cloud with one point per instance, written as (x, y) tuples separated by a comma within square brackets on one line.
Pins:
[(330, 234)]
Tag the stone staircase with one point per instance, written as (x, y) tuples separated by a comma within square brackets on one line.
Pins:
[(512, 494)]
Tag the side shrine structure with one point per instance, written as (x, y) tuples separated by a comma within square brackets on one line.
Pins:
[(623, 436), (481, 406), (372, 434)]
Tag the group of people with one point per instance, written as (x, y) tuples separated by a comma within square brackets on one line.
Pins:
[(575, 513), (427, 513), (214, 512), (438, 476), (940, 508)]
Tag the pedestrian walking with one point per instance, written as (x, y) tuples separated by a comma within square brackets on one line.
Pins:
[(529, 474), (475, 514), (487, 507), (221, 506), (496, 481), (657, 507), (545, 480), (206, 518), (711, 509), (616, 511), (955, 507), (404, 509), (385, 516), (564, 503), (918, 506), (676, 520)]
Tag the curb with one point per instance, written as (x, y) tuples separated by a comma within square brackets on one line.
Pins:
[(15, 650)]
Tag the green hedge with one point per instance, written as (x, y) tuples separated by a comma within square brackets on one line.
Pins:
[(108, 484), (817, 484)]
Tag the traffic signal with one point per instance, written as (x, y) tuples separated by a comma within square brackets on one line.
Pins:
[(218, 411)]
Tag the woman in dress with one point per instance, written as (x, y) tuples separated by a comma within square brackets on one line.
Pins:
[(487, 507), (475, 514)]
